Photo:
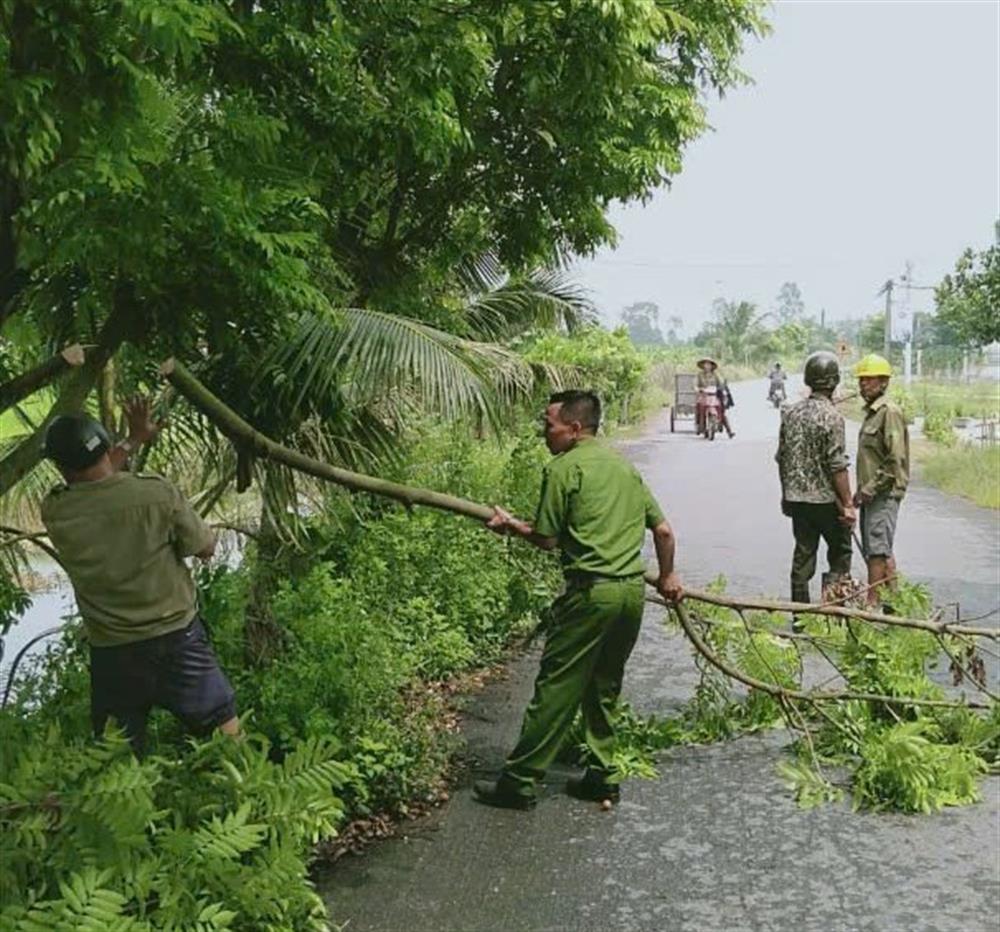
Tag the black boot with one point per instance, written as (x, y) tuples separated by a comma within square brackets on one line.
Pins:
[(502, 794), (593, 787)]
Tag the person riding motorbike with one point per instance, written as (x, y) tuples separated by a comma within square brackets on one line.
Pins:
[(709, 378), (776, 392)]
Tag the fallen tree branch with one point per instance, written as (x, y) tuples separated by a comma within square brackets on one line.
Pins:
[(28, 382), (780, 692), (237, 429), (837, 611)]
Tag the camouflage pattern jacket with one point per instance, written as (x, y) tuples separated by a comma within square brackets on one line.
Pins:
[(811, 448)]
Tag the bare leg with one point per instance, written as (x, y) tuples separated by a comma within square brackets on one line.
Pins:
[(878, 575), (231, 727)]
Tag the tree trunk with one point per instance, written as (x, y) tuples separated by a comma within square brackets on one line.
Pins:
[(263, 638), (106, 397)]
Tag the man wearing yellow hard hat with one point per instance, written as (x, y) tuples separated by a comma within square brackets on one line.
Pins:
[(883, 466)]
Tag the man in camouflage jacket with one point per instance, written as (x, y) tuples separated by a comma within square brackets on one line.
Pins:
[(815, 485)]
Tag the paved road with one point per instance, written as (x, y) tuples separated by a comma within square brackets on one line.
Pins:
[(715, 843)]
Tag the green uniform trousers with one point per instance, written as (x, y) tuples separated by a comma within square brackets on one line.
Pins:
[(594, 628)]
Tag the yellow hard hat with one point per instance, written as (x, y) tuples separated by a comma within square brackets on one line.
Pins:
[(872, 364)]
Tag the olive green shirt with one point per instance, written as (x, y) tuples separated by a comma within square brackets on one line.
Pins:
[(595, 504), (123, 541), (883, 450)]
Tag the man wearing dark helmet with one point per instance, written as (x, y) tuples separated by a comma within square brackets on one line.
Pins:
[(122, 539), (815, 485)]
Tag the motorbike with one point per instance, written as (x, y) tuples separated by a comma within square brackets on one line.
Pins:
[(709, 411), (777, 394)]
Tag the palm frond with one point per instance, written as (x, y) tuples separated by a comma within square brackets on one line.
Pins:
[(366, 356), (544, 298), (20, 505), (482, 273)]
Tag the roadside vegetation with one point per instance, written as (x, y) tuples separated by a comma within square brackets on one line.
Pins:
[(905, 757), (344, 219), (970, 471), (969, 468)]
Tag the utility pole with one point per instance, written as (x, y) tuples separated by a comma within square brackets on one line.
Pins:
[(887, 336), (908, 349)]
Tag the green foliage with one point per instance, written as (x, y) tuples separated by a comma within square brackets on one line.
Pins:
[(382, 600), (14, 600), (906, 766), (904, 399), (736, 332), (972, 472), (216, 837), (895, 756), (363, 152), (605, 361), (937, 427), (968, 299)]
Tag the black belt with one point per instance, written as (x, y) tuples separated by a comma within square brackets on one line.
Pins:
[(581, 579)]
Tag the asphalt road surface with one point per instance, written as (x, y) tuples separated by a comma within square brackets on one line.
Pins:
[(716, 843)]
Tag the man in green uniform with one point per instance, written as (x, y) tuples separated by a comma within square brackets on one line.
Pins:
[(122, 539), (883, 471), (595, 508), (815, 488)]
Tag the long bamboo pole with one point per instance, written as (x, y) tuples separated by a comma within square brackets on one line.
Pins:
[(237, 429)]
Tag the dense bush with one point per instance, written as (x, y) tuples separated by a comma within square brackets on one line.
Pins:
[(937, 427), (605, 361), (218, 837), (385, 600), (378, 603)]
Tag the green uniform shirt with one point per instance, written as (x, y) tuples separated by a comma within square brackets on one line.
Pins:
[(122, 541), (596, 505), (883, 450)]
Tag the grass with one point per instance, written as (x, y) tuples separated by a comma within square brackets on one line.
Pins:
[(974, 399), (952, 399), (972, 472)]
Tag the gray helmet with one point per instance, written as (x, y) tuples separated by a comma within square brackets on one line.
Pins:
[(75, 441), (822, 371)]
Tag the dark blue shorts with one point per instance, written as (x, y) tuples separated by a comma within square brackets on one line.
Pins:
[(177, 671)]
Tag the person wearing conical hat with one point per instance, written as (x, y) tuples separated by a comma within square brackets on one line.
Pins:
[(883, 471), (710, 377)]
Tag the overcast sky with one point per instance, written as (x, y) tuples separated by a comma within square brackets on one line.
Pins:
[(870, 137)]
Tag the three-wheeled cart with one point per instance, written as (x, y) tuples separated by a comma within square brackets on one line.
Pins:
[(685, 398)]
